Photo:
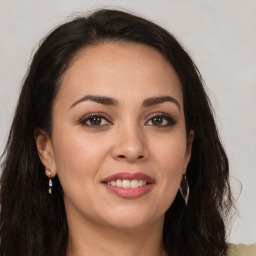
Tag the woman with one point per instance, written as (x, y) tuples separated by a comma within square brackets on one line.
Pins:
[(113, 148)]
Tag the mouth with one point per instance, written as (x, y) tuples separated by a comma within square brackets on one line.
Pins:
[(129, 185)]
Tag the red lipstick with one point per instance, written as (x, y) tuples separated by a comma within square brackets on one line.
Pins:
[(129, 193), (129, 176)]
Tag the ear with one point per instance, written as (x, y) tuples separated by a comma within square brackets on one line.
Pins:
[(45, 151), (190, 140)]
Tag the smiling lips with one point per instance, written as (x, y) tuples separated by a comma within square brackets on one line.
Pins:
[(129, 185)]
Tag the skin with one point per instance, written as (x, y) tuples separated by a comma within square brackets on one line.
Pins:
[(127, 139)]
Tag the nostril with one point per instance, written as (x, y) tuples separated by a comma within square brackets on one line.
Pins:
[(123, 156)]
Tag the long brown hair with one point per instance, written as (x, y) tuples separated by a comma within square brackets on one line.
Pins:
[(34, 223)]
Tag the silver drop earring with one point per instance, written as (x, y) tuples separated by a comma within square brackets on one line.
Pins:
[(50, 182), (184, 189)]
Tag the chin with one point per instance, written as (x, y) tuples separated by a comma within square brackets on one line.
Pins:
[(131, 218)]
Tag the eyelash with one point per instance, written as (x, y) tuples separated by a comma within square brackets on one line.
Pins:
[(170, 120), (86, 118), (165, 117)]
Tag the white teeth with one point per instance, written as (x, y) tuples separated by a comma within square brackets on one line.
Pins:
[(119, 183), (127, 183), (134, 183)]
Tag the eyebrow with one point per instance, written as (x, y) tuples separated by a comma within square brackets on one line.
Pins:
[(158, 100), (99, 99), (113, 102)]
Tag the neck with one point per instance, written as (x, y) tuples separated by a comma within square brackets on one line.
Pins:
[(91, 239)]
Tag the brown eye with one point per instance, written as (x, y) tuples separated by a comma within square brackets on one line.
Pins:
[(95, 120), (157, 120), (161, 121)]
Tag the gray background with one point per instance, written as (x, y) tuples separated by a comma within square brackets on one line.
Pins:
[(221, 38)]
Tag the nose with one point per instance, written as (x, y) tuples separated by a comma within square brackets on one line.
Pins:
[(130, 145)]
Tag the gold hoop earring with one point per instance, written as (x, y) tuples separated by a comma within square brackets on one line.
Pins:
[(184, 188)]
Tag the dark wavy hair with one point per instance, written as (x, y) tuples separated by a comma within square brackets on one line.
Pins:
[(32, 222)]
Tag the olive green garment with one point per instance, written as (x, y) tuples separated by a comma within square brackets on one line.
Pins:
[(242, 250)]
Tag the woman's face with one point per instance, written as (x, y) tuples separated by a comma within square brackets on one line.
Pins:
[(119, 141)]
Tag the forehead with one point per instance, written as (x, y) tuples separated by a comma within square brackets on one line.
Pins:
[(123, 69)]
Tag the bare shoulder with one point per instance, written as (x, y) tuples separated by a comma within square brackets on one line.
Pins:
[(242, 250)]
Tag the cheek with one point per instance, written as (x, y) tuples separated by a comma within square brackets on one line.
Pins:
[(77, 157), (170, 163), (170, 152)]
